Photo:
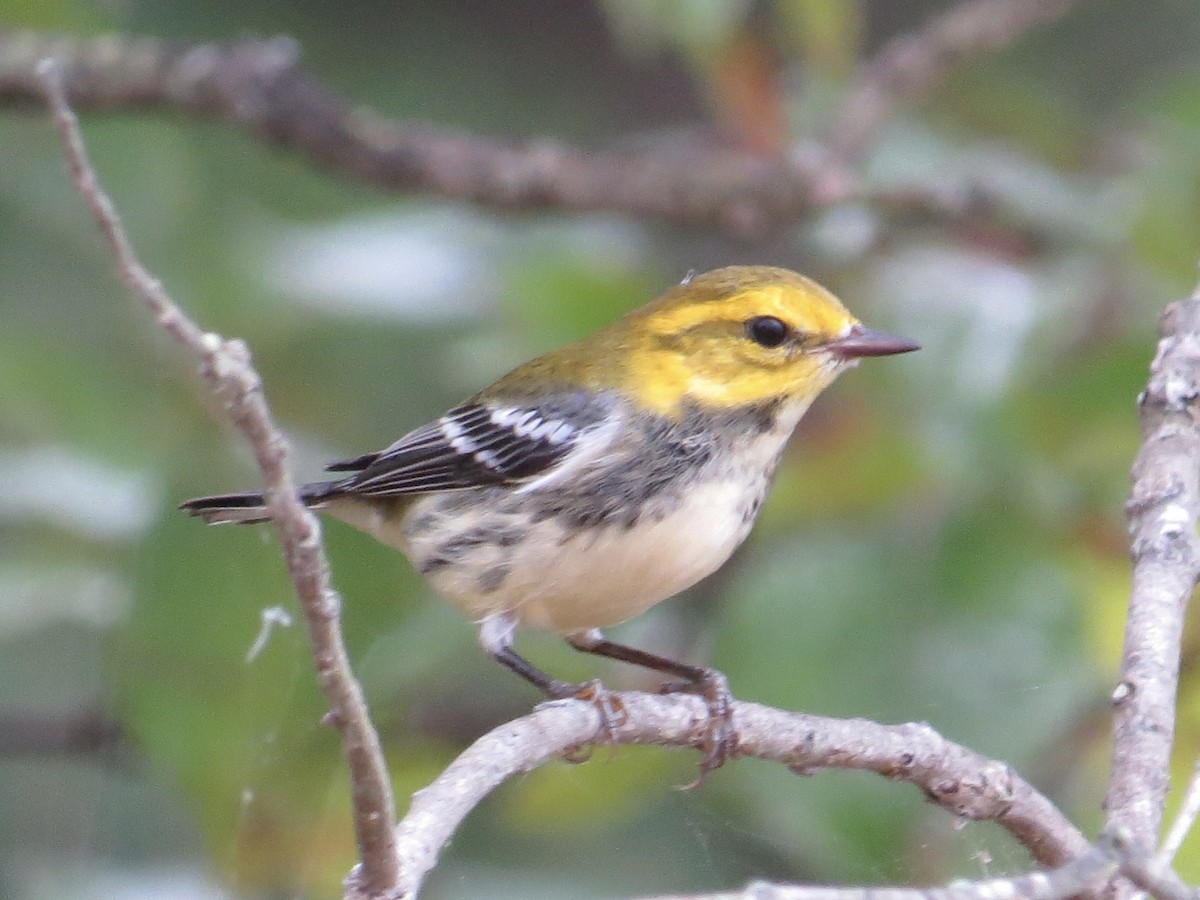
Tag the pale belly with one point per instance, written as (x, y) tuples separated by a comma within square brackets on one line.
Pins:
[(604, 576), (542, 575)]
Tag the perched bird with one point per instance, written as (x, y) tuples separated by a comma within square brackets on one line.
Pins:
[(588, 484)]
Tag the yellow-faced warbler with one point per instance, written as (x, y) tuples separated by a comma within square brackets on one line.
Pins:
[(588, 484)]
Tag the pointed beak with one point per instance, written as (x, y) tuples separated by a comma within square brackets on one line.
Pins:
[(861, 341)]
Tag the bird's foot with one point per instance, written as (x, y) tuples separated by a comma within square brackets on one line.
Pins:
[(608, 705), (720, 738)]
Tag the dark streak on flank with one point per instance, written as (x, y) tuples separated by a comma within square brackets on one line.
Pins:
[(491, 580), (500, 534)]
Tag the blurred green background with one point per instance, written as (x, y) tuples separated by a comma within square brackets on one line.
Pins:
[(945, 544)]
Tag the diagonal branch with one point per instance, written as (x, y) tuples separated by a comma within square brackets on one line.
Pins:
[(1163, 509), (226, 371)]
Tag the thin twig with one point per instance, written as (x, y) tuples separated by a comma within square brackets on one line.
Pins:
[(1189, 810), (226, 371), (966, 784), (1163, 508), (912, 65), (1157, 880)]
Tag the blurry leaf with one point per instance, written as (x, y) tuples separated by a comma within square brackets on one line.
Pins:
[(827, 33), (1105, 582), (593, 796), (63, 15), (845, 469), (833, 826), (746, 92), (697, 27), (242, 738), (1084, 421), (1017, 108), (565, 298), (1167, 231), (1174, 99)]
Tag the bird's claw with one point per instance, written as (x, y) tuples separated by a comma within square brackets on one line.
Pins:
[(608, 704), (720, 738)]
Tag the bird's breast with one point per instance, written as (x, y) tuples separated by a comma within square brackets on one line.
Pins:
[(552, 574), (599, 551)]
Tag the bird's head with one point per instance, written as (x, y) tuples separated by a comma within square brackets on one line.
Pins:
[(740, 336)]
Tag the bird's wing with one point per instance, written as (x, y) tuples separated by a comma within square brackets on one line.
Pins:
[(476, 444)]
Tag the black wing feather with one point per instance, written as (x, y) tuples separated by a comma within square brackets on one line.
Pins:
[(474, 445)]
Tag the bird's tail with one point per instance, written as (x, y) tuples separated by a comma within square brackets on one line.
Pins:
[(247, 509)]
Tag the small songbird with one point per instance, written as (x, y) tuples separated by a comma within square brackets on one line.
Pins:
[(588, 484)]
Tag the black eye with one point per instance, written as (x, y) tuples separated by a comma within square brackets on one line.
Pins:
[(767, 331)]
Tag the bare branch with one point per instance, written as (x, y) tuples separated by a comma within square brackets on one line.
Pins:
[(260, 86), (912, 65), (1162, 510), (968, 785), (226, 371)]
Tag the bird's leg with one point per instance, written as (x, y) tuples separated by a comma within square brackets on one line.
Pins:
[(720, 738), (496, 636)]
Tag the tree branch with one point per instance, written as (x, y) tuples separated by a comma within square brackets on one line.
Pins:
[(966, 784), (260, 87), (226, 371), (1163, 508)]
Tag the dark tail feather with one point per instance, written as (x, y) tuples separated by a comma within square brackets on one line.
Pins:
[(247, 509), (353, 465), (244, 509)]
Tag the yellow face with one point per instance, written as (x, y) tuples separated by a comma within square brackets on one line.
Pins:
[(734, 337)]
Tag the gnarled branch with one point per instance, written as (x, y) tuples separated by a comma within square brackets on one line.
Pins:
[(1163, 509)]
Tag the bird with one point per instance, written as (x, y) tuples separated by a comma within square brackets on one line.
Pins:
[(591, 483)]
